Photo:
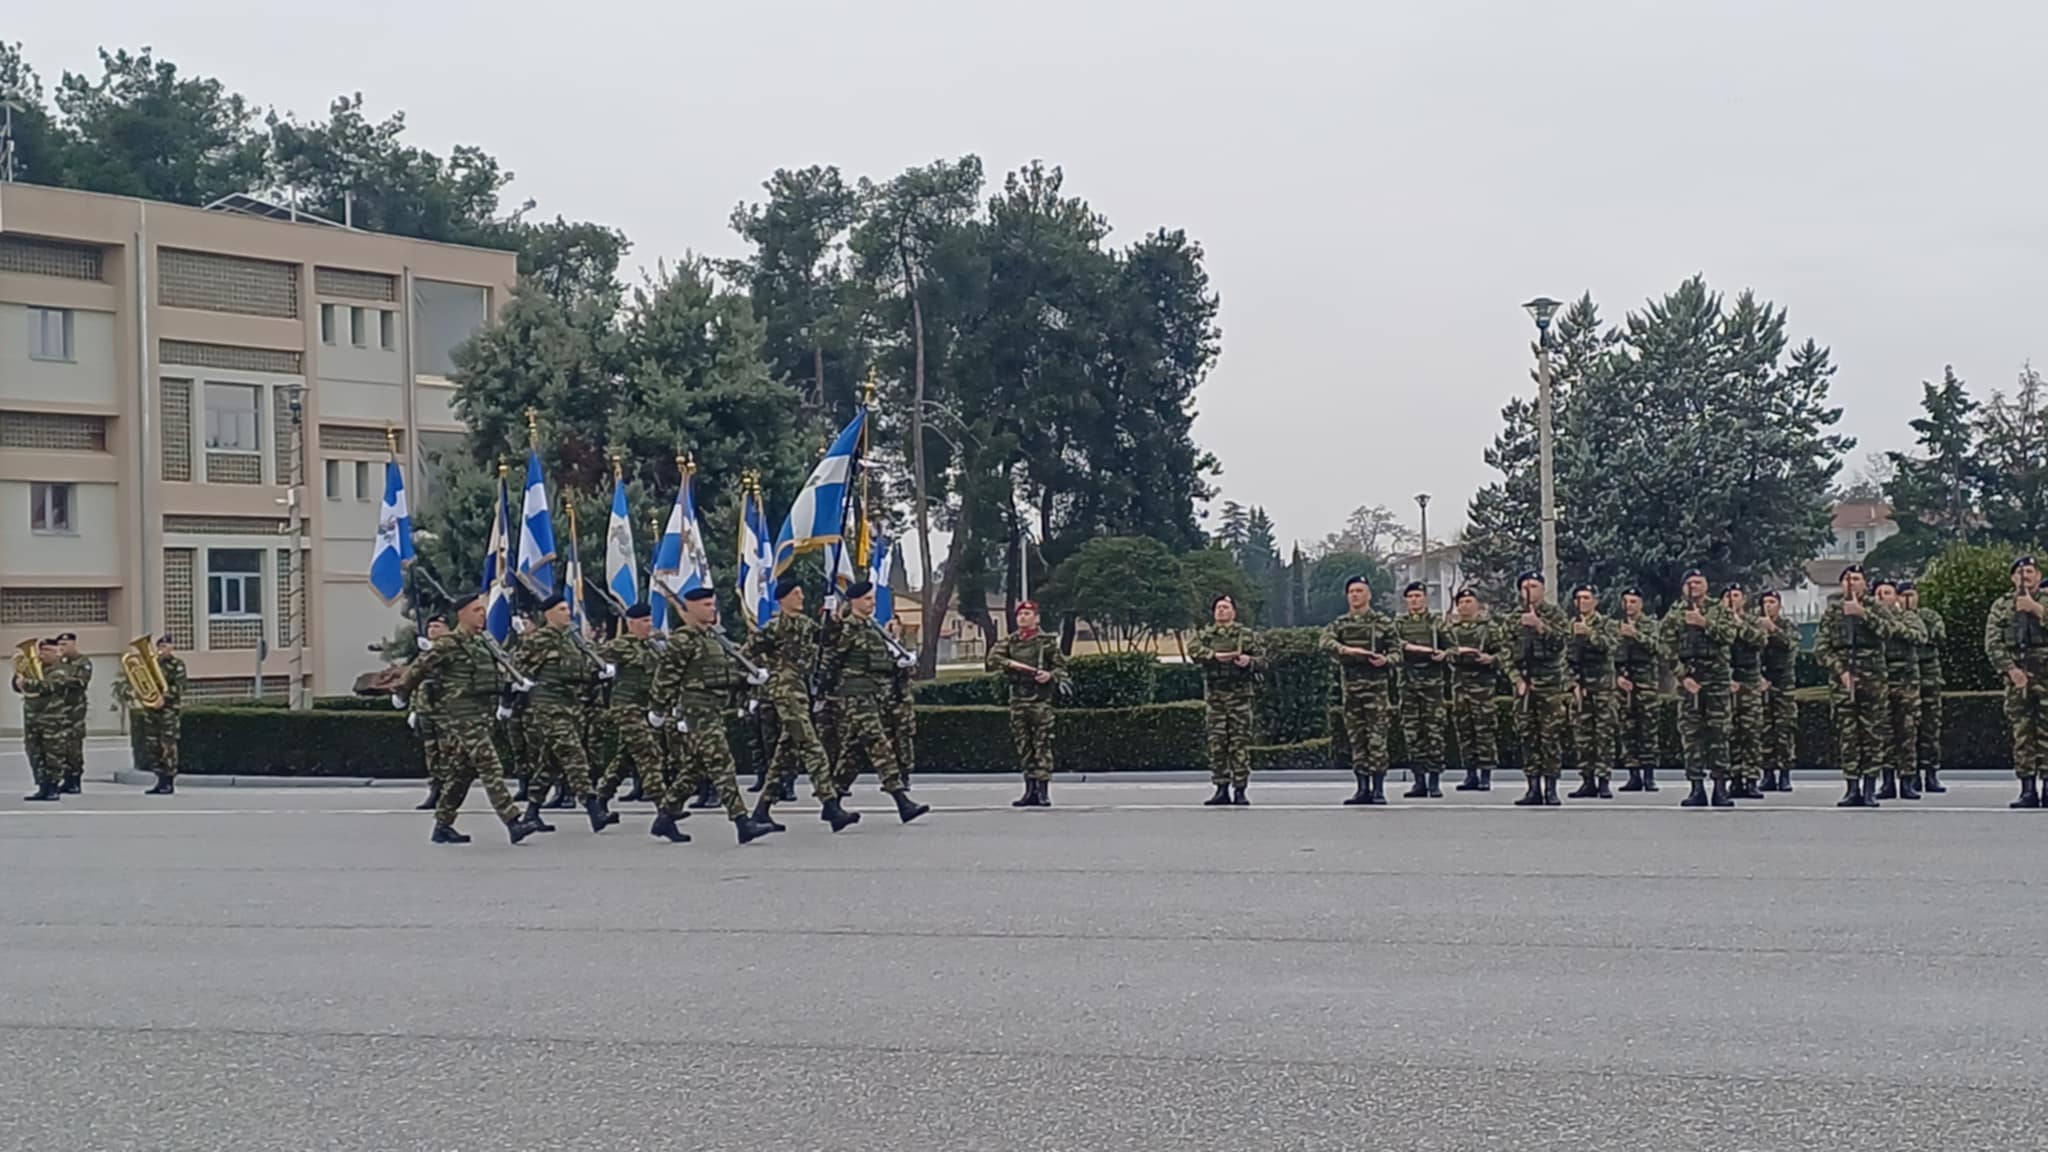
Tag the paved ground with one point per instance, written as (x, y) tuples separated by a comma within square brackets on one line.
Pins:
[(294, 969)]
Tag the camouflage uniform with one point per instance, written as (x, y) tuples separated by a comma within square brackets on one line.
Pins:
[(1902, 701), (1862, 717), (1700, 654), (636, 747), (563, 675), (899, 716), (865, 667), (1636, 661), (1591, 660), (1536, 658), (70, 676), (1228, 690), (1423, 706), (2015, 639), (1746, 701), (1366, 699), (1932, 681), (40, 729), (1031, 718), (525, 764), (695, 682), (465, 681), (830, 626), (160, 728), (788, 648), (1781, 712), (1473, 687)]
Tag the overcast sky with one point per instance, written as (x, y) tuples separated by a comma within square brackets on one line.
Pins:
[(1378, 185)]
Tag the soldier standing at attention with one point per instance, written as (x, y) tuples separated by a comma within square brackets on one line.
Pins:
[(866, 666), (1361, 640), (1902, 694), (1590, 656), (1635, 681), (1033, 667), (1928, 752), (1230, 659), (1423, 668), (1697, 633), (636, 744), (1849, 645), (2016, 640), (1537, 667), (40, 726), (468, 684), (1781, 711), (421, 721), (1475, 674), (73, 677), (787, 646), (1745, 697), (563, 673), (161, 727), (696, 685)]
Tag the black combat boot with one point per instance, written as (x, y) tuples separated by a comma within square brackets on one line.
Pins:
[(1784, 779), (1550, 799), (1237, 797), (562, 798), (2029, 797), (1030, 797), (1635, 781), (1909, 785), (73, 785), (1436, 785), (1852, 796), (1379, 790), (1486, 779), (836, 815), (519, 830), (432, 801), (1471, 781), (1533, 798), (1929, 781), (1044, 795), (1769, 782), (1889, 790), (594, 808), (788, 794), (665, 829), (446, 834), (1419, 788), (1721, 799), (1746, 789), (766, 818), (1870, 796), (1364, 793), (1602, 791), (1649, 779), (760, 781), (638, 793), (748, 830), (706, 797), (162, 788), (519, 796), (1697, 798), (533, 818), (1586, 789), (170, 786), (1221, 799), (908, 809)]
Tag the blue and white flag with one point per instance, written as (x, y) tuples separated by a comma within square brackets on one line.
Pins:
[(392, 552), (757, 561), (878, 574), (680, 562), (572, 584), (621, 563), (497, 584), (536, 533), (818, 517), (668, 557)]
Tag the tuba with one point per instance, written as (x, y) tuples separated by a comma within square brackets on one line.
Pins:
[(27, 664), (145, 675)]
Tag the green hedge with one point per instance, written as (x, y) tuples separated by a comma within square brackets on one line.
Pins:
[(974, 738)]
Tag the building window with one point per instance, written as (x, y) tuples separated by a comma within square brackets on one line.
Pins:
[(359, 327), (363, 481), (231, 418), (49, 509), (234, 583), (49, 334), (328, 322), (387, 330), (1860, 545), (333, 479)]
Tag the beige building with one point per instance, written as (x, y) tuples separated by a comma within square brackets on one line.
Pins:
[(193, 416)]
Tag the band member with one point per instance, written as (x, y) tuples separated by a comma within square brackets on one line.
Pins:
[(1424, 653), (1850, 644), (696, 685), (161, 727), (1636, 672), (1542, 694), (1932, 681), (1902, 694), (1034, 668), (2016, 640), (1363, 642), (422, 721), (1230, 658), (1476, 659), (1781, 711), (866, 664), (469, 680), (637, 745), (1590, 655), (73, 680), (1697, 632), (42, 724), (563, 671), (1746, 697), (787, 647)]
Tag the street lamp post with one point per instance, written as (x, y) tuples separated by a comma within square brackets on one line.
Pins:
[(1422, 505), (1542, 309)]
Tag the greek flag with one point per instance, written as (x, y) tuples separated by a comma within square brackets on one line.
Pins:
[(393, 549), (621, 563), (757, 561), (497, 585), (818, 518), (680, 562), (536, 533), (668, 557), (572, 585), (878, 573)]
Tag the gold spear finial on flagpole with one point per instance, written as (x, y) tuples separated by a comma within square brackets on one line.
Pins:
[(390, 438), (533, 427)]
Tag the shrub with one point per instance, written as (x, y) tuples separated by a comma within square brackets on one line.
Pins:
[(965, 691), (1960, 585), (1112, 680), (1300, 685), (1177, 682)]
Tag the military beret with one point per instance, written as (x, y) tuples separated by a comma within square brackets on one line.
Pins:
[(859, 588), (1692, 573), (1886, 582), (1531, 574), (1027, 606), (1585, 588), (785, 586), (1852, 570), (462, 602), (167, 638), (553, 602), (2024, 562), (1905, 586), (1733, 586), (1772, 594), (639, 612), (1466, 594), (1356, 580), (1414, 586), (1220, 597), (47, 642), (1632, 590), (700, 592), (63, 636)]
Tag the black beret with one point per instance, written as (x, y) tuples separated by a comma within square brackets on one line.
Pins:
[(859, 588), (462, 602), (2024, 562), (1585, 588), (1733, 586), (700, 592), (639, 612), (1772, 594), (63, 636), (1886, 581), (1905, 586), (1356, 580), (1531, 574), (1852, 570), (1415, 586), (1691, 573), (1466, 594), (1220, 597), (1632, 590), (785, 586), (47, 642), (166, 638), (553, 602)]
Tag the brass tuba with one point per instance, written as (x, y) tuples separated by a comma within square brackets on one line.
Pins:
[(27, 664), (145, 676)]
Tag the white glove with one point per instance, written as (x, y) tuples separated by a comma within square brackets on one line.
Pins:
[(753, 706), (757, 677), (519, 625), (608, 671), (656, 720), (412, 721), (906, 661), (398, 701), (682, 725), (522, 686), (425, 644), (832, 602), (504, 713)]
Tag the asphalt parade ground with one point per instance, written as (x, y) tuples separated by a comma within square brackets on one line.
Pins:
[(249, 968)]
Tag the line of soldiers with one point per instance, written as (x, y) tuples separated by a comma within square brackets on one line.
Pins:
[(666, 701), (53, 710)]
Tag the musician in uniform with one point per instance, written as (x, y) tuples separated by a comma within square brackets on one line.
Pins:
[(1636, 654), (564, 670), (468, 679), (866, 664), (1476, 658), (422, 721), (636, 744), (1932, 682), (1697, 633), (787, 647), (1902, 694), (1033, 669), (41, 724), (694, 687), (161, 727), (2016, 641), (1849, 644), (1590, 656), (1420, 633), (1537, 668), (72, 677), (1781, 712), (1231, 659)]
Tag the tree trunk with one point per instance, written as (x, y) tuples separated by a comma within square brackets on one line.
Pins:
[(935, 615)]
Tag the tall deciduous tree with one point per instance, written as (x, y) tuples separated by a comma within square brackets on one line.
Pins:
[(141, 128)]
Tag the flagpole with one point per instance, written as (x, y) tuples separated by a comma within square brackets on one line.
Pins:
[(860, 531), (412, 584)]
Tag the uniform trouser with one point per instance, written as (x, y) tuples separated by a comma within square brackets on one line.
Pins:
[(2026, 711), (1474, 720), (900, 717), (1229, 723), (705, 755), (1703, 730), (1422, 721), (636, 751), (1862, 726), (467, 750), (1746, 731), (432, 754), (797, 745), (1595, 729), (827, 721), (523, 767), (1543, 721), (554, 742), (1927, 747), (69, 746), (160, 729), (1636, 715), (38, 742), (1031, 726), (1781, 730), (1368, 711), (864, 742), (1902, 708)]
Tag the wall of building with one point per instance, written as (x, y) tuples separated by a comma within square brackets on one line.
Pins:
[(87, 380)]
